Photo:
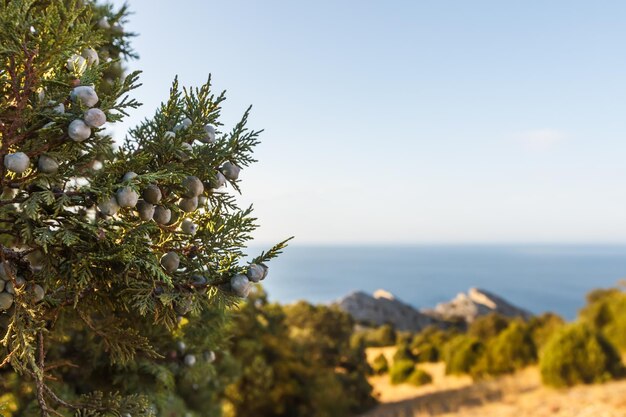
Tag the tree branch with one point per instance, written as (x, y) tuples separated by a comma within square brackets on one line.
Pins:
[(7, 359), (40, 376)]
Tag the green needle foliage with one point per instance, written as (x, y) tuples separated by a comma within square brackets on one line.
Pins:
[(95, 320), (577, 354)]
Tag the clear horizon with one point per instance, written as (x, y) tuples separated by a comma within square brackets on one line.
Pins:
[(418, 123)]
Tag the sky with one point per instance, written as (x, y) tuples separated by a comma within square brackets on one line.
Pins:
[(410, 121)]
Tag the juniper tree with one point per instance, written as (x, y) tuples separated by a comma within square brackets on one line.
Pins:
[(118, 264)]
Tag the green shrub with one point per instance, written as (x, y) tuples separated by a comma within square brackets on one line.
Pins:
[(578, 354), (426, 345), (511, 350), (543, 327), (489, 326), (600, 294), (419, 377), (606, 312), (357, 340), (403, 352), (431, 334), (382, 336), (404, 337), (385, 335), (400, 371), (380, 365), (461, 354), (427, 352)]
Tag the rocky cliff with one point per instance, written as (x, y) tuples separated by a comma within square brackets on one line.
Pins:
[(476, 303), (382, 307)]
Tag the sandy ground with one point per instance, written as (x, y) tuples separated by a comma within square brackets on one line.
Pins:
[(520, 395)]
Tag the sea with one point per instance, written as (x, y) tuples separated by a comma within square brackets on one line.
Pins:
[(538, 278)]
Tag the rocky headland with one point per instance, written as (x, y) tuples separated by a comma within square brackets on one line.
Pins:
[(383, 307)]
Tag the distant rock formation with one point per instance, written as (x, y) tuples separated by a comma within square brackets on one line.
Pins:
[(383, 308), (475, 303)]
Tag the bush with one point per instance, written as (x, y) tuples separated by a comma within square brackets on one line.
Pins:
[(404, 337), (461, 354), (578, 354), (489, 326), (382, 336), (400, 371), (385, 335), (357, 340), (403, 352), (600, 294), (512, 350), (543, 327), (606, 313), (419, 377), (380, 365), (426, 345), (427, 353)]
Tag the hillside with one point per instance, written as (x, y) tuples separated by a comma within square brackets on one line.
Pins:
[(383, 307), (519, 395)]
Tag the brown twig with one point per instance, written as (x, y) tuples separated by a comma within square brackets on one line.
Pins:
[(48, 391), (39, 378), (58, 400), (7, 359), (60, 364)]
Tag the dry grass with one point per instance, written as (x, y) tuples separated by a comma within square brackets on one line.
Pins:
[(519, 395), (387, 393)]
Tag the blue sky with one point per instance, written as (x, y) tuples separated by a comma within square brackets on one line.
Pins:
[(411, 121)]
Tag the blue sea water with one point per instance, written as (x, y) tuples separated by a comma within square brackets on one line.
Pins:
[(536, 277)]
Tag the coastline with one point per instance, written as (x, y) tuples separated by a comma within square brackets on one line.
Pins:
[(537, 277)]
